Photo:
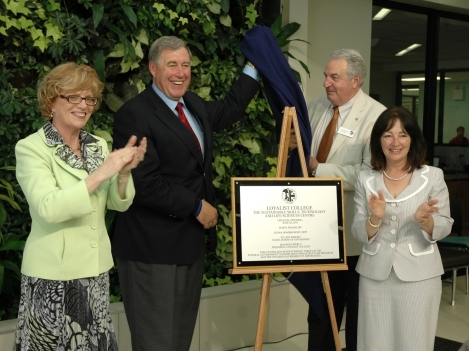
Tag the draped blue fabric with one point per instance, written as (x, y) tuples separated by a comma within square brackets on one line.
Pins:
[(282, 89), (280, 86)]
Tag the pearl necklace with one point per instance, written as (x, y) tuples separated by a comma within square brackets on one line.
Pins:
[(395, 179)]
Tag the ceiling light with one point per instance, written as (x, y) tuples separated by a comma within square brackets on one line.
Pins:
[(381, 14), (405, 51), (419, 79)]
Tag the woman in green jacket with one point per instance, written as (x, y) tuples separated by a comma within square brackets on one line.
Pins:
[(69, 178)]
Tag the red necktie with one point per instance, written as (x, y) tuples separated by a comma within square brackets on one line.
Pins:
[(328, 137), (183, 118)]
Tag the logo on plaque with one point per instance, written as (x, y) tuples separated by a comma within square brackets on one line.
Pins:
[(289, 195)]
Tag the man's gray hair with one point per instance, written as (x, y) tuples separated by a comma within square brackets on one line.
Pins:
[(356, 64), (166, 43)]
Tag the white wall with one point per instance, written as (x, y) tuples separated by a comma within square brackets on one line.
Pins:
[(327, 26)]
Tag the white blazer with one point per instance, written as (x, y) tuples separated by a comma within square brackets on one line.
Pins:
[(400, 243), (348, 155)]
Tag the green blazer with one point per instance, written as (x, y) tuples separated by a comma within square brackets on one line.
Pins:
[(68, 238)]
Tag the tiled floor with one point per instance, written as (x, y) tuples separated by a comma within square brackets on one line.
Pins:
[(453, 322)]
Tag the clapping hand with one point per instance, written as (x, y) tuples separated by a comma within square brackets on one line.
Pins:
[(425, 211), (138, 156), (377, 204)]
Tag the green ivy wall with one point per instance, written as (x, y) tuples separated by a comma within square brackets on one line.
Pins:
[(114, 37)]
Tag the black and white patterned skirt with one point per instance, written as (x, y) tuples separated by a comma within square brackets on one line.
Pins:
[(65, 315)]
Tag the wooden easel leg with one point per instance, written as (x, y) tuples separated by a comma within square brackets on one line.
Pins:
[(265, 290), (327, 289)]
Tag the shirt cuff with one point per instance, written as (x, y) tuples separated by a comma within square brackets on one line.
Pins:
[(251, 72), (197, 207)]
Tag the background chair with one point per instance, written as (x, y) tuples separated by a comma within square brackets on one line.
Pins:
[(454, 249)]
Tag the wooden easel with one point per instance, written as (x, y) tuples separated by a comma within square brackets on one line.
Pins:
[(289, 118)]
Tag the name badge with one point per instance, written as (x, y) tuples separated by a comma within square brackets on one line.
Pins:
[(347, 132)]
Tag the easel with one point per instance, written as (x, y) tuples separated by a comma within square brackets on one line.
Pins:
[(289, 118)]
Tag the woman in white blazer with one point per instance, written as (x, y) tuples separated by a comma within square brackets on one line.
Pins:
[(401, 210), (69, 178)]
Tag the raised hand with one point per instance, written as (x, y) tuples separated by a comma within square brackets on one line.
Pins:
[(377, 204)]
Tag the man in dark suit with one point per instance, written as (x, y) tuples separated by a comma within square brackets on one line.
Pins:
[(159, 242)]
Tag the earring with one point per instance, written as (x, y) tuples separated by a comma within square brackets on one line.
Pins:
[(51, 115)]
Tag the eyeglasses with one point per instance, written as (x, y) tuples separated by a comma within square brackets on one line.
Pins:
[(75, 99)]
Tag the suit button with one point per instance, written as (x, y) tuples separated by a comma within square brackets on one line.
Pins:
[(94, 244), (393, 245), (393, 231), (393, 218), (95, 208), (94, 226), (393, 204)]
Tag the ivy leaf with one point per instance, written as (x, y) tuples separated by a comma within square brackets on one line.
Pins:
[(183, 20), (159, 7), (227, 160), (105, 135), (3, 31), (53, 6), (140, 86), (251, 145), (217, 181), (195, 61), (17, 7), (204, 93), (42, 43), (35, 33), (98, 12), (220, 169), (142, 37), (12, 23), (130, 13), (172, 14), (24, 22), (225, 20), (117, 51), (138, 48), (53, 31), (251, 13), (193, 15), (214, 8), (127, 65)]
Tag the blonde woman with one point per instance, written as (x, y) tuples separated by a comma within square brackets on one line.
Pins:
[(69, 178)]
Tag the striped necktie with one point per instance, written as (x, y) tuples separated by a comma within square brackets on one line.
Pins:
[(183, 118), (328, 137)]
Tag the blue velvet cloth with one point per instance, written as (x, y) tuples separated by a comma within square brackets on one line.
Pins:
[(282, 89), (280, 86)]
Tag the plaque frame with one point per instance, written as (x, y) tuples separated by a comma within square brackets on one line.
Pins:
[(242, 264)]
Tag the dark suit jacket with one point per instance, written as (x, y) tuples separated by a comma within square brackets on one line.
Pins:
[(160, 226)]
